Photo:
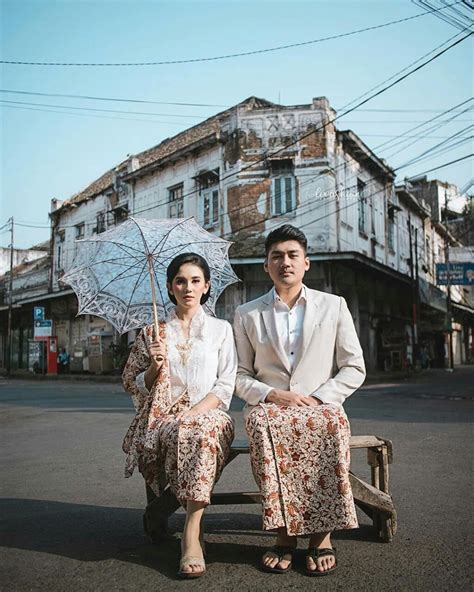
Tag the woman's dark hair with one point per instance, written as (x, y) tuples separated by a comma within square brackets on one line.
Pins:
[(283, 233), (194, 259)]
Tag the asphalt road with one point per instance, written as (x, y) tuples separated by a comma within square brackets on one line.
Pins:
[(70, 522)]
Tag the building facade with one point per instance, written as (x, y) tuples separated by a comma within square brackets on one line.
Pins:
[(242, 173)]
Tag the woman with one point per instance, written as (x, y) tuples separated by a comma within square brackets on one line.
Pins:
[(181, 383)]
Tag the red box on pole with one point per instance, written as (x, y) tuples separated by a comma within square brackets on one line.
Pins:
[(52, 355)]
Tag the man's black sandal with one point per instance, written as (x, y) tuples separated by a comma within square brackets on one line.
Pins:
[(315, 554), (280, 551)]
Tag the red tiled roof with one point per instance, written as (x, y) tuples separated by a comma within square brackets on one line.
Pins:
[(166, 148)]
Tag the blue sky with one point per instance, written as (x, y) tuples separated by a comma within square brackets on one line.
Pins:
[(54, 155)]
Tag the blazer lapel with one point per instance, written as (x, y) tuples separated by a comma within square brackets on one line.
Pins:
[(269, 322), (309, 324)]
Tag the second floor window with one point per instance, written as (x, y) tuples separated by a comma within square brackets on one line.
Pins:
[(60, 238), (428, 253), (283, 195), (210, 205), (362, 201), (176, 201), (120, 214), (80, 229), (100, 226), (283, 186), (391, 235)]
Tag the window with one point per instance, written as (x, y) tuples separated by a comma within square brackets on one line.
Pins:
[(120, 214), (80, 228), (100, 227), (210, 206), (391, 234), (60, 238), (207, 182), (428, 252), (283, 186), (176, 202), (361, 190), (283, 195)]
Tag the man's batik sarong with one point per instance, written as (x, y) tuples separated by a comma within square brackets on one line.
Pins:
[(300, 459)]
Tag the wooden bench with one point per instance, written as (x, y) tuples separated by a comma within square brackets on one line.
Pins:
[(374, 499)]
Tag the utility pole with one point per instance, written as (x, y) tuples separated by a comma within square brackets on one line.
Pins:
[(448, 289), (414, 337), (416, 300), (10, 303)]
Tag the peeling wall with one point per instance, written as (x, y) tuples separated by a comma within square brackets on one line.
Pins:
[(245, 206)]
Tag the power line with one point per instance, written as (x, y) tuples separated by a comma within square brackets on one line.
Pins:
[(397, 121), (338, 209), (58, 109), (318, 207), (422, 125), (401, 110), (227, 56), (167, 201), (443, 165), (181, 104), (340, 116), (100, 110), (403, 70), (440, 151), (330, 121), (115, 99), (398, 135), (427, 131), (439, 144), (179, 123)]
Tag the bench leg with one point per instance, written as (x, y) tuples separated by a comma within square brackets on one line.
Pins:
[(379, 459), (159, 509), (157, 512)]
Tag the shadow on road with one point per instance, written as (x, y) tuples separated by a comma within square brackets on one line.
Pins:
[(97, 533)]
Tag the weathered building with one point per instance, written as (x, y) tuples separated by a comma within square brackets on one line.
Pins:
[(30, 284), (242, 173)]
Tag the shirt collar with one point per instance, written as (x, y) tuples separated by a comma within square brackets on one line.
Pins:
[(301, 298), (197, 322)]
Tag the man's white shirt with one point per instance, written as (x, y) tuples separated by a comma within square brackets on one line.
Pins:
[(289, 323)]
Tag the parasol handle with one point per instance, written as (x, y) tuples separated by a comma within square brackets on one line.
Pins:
[(153, 295)]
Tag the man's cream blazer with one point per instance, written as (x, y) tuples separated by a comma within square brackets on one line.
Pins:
[(329, 363)]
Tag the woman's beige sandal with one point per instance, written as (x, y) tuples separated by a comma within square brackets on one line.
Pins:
[(187, 562)]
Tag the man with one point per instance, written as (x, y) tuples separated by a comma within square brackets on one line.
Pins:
[(63, 361), (299, 358)]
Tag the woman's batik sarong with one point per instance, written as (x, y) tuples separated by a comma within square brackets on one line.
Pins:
[(300, 459), (188, 454), (194, 451)]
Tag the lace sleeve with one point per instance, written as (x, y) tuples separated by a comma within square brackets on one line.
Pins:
[(227, 369)]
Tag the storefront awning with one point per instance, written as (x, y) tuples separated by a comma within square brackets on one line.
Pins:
[(432, 296)]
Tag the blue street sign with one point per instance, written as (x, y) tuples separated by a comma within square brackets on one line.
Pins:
[(460, 274), (38, 313)]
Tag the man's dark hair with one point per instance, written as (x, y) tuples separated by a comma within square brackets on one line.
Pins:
[(286, 232), (194, 259)]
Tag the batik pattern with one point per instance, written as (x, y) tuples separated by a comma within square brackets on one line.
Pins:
[(300, 459)]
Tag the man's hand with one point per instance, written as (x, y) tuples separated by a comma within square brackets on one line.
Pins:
[(291, 399)]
